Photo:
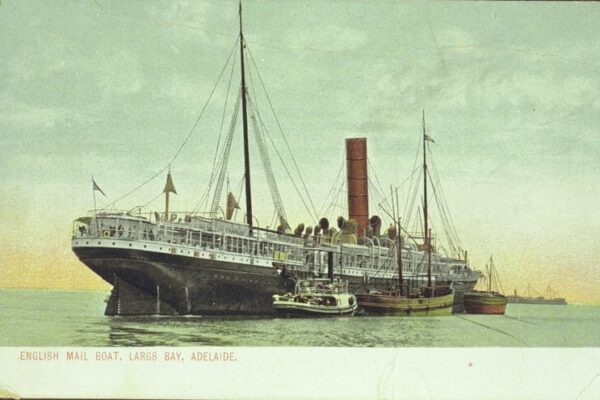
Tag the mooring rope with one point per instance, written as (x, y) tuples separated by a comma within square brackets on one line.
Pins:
[(493, 329)]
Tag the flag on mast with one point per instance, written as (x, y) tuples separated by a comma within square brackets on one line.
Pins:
[(429, 138), (96, 187)]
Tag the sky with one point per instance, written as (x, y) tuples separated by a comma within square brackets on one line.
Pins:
[(112, 89)]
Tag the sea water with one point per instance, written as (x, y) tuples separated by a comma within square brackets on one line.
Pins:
[(76, 318)]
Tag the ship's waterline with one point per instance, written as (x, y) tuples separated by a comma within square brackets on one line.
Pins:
[(151, 277)]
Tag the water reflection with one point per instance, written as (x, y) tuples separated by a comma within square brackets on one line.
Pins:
[(238, 331)]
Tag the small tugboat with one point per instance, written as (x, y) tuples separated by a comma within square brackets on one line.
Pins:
[(488, 301), (316, 298)]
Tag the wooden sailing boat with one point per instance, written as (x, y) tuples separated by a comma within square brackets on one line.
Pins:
[(424, 301), (488, 301)]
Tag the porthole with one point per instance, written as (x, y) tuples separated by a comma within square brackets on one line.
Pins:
[(113, 243), (129, 244), (87, 242), (144, 246)]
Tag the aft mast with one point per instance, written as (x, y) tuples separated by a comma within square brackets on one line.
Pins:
[(245, 127)]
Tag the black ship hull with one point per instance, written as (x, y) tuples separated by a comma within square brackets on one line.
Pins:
[(148, 283)]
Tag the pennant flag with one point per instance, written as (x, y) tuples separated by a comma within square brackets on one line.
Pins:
[(169, 186), (429, 138), (96, 187)]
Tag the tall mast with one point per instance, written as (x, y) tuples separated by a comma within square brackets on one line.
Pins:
[(425, 217), (245, 126)]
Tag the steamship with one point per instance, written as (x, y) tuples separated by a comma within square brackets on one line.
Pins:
[(186, 263)]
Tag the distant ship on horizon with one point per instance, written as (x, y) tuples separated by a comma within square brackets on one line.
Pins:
[(549, 298)]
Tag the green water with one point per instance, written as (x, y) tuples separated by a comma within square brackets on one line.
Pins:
[(61, 318)]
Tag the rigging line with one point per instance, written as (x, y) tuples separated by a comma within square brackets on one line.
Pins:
[(264, 154), (410, 192), (224, 162), (225, 106), (207, 101), (445, 204), (375, 204), (136, 188), (148, 203), (414, 167), (372, 169), (221, 164), (493, 329), (254, 91), (268, 169), (335, 192), (443, 217), (186, 139), (442, 195), (281, 131), (442, 205), (216, 164), (241, 186), (334, 203), (411, 200), (375, 196), (445, 222), (281, 159), (331, 190)]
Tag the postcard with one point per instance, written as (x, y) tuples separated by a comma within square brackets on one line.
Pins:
[(309, 200)]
